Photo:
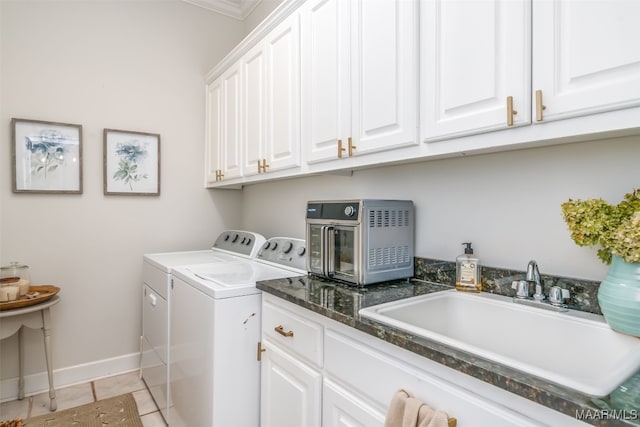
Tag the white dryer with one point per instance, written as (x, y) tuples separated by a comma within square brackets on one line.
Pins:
[(215, 330), (231, 245)]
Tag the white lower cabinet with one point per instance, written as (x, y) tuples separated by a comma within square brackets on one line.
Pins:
[(291, 390), (319, 372), (375, 376), (291, 371), (340, 408)]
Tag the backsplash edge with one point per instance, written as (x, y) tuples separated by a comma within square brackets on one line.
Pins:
[(584, 293)]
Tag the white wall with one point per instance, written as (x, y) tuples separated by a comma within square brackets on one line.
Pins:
[(257, 15), (133, 65), (3, 156), (507, 204)]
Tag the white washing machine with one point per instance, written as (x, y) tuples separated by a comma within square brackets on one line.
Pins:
[(215, 330), (231, 245)]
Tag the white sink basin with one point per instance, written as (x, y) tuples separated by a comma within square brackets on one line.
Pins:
[(574, 349)]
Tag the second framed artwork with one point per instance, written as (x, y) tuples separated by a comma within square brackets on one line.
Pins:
[(131, 163)]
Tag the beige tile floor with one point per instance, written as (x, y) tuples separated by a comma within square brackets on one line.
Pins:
[(79, 394)]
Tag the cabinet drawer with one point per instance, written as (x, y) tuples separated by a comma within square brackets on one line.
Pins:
[(376, 376), (292, 331)]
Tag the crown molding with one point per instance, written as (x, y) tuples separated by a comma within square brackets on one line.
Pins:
[(238, 9)]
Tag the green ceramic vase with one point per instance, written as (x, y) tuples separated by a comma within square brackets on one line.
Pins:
[(619, 296)]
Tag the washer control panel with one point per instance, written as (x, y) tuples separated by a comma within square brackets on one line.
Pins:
[(240, 242), (287, 251)]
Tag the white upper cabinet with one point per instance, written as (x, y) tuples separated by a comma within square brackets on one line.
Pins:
[(271, 100), (329, 85), (213, 132), (586, 57), (493, 64), (253, 107), (359, 77), (223, 127), (475, 66), (326, 78), (384, 70), (282, 136)]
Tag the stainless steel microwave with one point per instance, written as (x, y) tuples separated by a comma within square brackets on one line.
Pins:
[(360, 241)]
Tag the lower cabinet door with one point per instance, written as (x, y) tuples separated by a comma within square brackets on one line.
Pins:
[(291, 391), (342, 409)]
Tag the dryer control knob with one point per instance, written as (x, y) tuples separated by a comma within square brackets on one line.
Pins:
[(275, 246), (248, 242), (287, 248), (349, 210), (301, 251), (235, 238)]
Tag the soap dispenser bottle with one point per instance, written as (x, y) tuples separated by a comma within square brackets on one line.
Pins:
[(468, 271)]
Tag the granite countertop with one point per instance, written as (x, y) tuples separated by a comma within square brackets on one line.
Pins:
[(342, 302)]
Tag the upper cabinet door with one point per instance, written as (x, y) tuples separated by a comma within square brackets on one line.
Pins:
[(230, 147), (586, 57), (282, 138), (384, 46), (326, 80), (253, 65), (474, 56), (213, 132)]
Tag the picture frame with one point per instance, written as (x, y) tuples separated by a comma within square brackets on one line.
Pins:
[(131, 163), (46, 157)]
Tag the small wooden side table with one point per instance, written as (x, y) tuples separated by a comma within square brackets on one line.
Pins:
[(35, 316)]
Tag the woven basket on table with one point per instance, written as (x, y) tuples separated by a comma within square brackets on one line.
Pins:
[(13, 423)]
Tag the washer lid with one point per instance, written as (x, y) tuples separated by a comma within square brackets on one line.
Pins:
[(230, 279), (166, 261)]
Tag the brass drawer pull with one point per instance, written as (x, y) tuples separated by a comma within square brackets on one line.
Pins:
[(280, 330)]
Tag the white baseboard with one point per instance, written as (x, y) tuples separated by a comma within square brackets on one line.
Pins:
[(63, 377)]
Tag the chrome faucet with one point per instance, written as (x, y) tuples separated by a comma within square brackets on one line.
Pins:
[(557, 295), (533, 277)]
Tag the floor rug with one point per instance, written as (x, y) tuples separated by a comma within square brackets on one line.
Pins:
[(116, 411)]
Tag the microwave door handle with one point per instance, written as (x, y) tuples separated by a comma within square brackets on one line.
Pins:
[(329, 251), (323, 250)]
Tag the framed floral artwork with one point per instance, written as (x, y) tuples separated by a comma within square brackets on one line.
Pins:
[(131, 163), (47, 157)]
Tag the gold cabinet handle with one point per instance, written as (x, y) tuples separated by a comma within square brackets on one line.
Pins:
[(510, 111), (351, 147), (219, 175), (280, 329), (341, 149), (540, 107), (262, 166), (260, 351)]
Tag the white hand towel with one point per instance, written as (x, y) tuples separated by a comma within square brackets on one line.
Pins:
[(407, 411)]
